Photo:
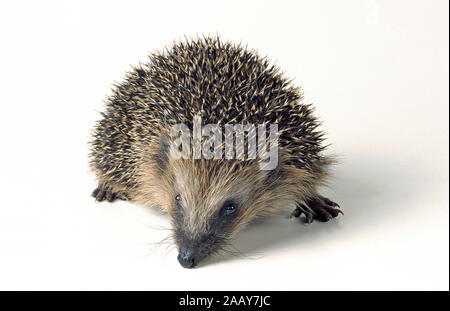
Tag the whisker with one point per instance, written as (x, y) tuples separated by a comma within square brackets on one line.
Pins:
[(156, 227), (242, 254), (167, 241)]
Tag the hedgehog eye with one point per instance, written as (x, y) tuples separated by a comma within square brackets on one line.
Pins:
[(178, 198), (229, 209)]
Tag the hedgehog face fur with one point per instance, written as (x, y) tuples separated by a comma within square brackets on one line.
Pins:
[(208, 201), (211, 201)]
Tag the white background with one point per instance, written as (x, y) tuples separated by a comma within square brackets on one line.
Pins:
[(377, 71)]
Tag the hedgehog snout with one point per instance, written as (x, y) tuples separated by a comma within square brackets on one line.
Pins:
[(188, 257), (191, 251)]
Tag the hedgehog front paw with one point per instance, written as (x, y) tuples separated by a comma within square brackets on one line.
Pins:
[(319, 208), (102, 192)]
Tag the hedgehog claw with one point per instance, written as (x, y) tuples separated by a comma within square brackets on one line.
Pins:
[(110, 196), (309, 218), (101, 194), (329, 202), (321, 208), (95, 192), (296, 213)]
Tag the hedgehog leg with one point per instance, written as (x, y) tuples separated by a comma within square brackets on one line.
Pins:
[(319, 208), (103, 192)]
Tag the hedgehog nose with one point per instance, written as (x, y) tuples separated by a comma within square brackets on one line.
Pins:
[(187, 258)]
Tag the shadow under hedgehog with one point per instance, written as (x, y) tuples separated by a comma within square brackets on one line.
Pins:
[(208, 200)]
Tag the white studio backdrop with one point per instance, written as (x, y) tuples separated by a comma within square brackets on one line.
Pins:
[(376, 71)]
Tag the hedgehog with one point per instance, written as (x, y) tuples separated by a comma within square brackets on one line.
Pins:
[(209, 200)]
